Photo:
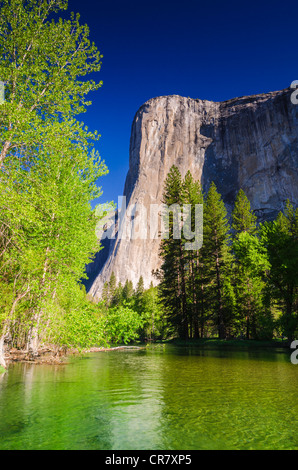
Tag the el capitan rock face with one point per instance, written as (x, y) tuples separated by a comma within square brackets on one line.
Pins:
[(249, 143)]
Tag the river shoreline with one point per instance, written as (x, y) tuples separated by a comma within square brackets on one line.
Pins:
[(242, 344), (51, 356)]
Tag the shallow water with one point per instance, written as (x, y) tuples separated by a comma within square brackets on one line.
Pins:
[(164, 397)]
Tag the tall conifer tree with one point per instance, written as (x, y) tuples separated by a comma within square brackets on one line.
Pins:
[(217, 259), (243, 218), (173, 285), (192, 195)]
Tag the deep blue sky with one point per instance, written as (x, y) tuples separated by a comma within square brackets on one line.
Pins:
[(212, 50)]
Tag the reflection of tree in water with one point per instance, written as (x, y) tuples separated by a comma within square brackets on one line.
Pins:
[(52, 407), (133, 394), (160, 398), (13, 418)]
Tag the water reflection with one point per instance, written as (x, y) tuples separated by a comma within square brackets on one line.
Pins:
[(159, 398)]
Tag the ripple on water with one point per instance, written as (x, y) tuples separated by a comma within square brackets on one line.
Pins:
[(166, 398)]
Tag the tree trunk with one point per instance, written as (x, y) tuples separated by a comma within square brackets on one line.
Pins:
[(4, 152), (2, 352), (289, 314), (33, 337), (33, 341), (247, 327), (221, 324), (195, 312), (6, 327), (183, 292), (202, 321)]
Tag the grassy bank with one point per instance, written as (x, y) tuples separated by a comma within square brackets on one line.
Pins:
[(210, 343)]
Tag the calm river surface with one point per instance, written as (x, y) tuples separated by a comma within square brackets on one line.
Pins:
[(164, 397)]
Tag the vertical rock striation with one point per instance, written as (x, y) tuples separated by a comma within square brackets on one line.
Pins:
[(248, 142)]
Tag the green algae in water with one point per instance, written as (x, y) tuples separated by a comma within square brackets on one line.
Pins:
[(161, 398)]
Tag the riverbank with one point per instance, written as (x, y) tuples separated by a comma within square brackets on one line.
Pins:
[(45, 355), (52, 356), (210, 343)]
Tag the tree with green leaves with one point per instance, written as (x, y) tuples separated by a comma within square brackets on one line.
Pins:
[(112, 287), (44, 65), (252, 299), (139, 295), (173, 285), (48, 167), (54, 231), (118, 295), (193, 196), (217, 261), (140, 287), (128, 290), (154, 326), (248, 286), (105, 296), (243, 218), (122, 325), (280, 238)]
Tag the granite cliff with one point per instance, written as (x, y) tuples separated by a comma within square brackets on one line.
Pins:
[(249, 142)]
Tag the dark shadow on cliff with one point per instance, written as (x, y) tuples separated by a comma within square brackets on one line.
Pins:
[(97, 264), (223, 174)]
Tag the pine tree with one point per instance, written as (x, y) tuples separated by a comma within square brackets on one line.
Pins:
[(140, 287), (139, 295), (112, 287), (128, 290), (173, 284), (243, 218), (118, 295), (106, 294), (217, 259), (192, 195)]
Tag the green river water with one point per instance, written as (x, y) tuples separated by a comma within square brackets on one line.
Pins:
[(161, 398)]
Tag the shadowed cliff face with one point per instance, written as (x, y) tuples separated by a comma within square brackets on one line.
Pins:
[(249, 143)]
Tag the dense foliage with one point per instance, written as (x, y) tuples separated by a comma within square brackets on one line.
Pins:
[(137, 311), (243, 281), (48, 175)]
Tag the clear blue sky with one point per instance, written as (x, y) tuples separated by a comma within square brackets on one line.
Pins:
[(211, 50)]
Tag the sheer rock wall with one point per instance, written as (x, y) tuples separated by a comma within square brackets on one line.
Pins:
[(248, 142)]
